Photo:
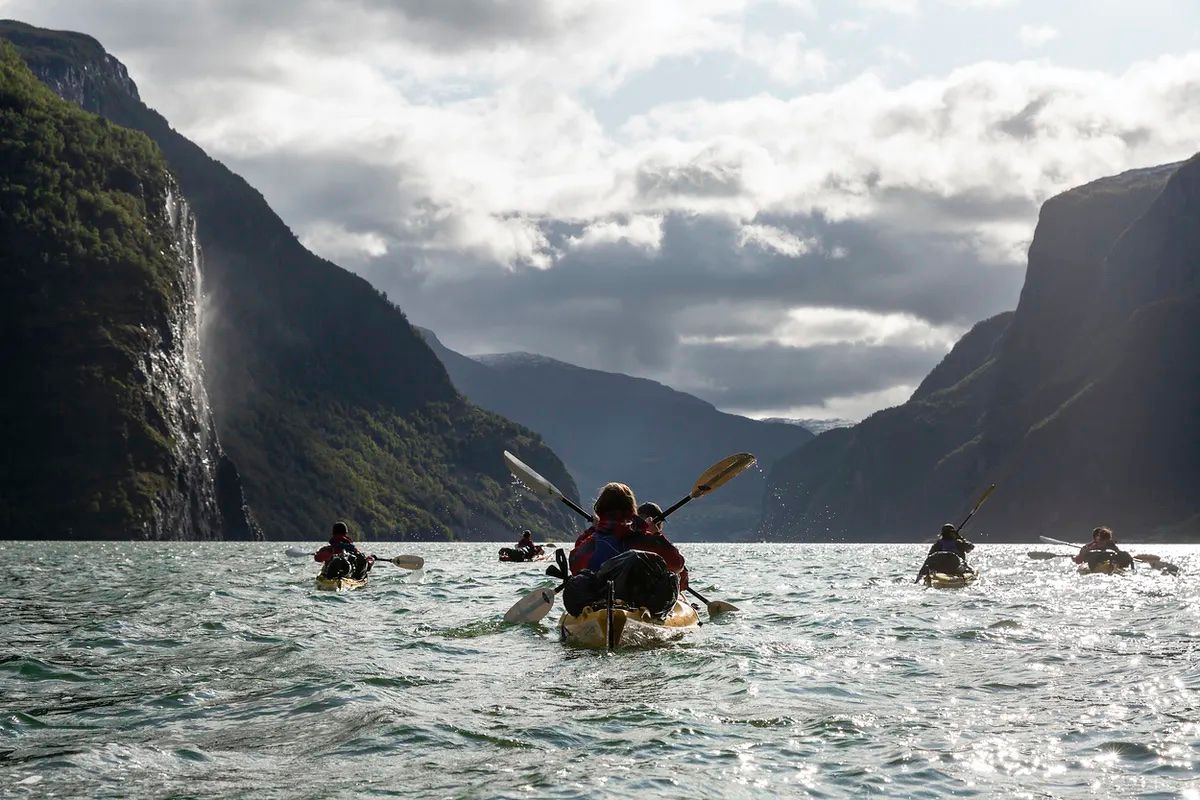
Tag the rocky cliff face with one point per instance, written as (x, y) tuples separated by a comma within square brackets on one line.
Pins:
[(325, 397), (106, 429), (1085, 410)]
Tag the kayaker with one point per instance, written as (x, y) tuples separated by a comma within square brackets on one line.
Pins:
[(951, 542), (1102, 539), (341, 548), (620, 528), (527, 544)]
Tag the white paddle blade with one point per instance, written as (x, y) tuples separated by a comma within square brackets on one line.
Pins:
[(1049, 540), (531, 480), (720, 607), (408, 562), (296, 552), (722, 472), (532, 607)]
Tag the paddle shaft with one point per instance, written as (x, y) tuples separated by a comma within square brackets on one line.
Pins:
[(987, 493)]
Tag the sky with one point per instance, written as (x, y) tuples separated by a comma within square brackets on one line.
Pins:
[(790, 208)]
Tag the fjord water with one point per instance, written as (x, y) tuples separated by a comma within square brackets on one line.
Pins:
[(216, 670)]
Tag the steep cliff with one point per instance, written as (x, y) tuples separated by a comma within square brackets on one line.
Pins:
[(105, 427), (326, 398), (1085, 411), (655, 438)]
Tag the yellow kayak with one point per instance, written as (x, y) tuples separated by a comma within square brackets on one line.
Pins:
[(942, 580), (632, 627), (340, 584)]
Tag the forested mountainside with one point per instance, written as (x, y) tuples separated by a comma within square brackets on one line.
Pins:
[(105, 428), (326, 398)]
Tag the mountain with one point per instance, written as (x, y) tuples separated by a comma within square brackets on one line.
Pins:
[(1083, 405), (608, 426), (105, 424), (323, 394)]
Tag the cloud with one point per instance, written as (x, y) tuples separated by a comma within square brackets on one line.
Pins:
[(455, 154), (1037, 35)]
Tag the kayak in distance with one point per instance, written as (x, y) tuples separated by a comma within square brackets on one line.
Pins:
[(522, 554), (630, 627), (340, 584)]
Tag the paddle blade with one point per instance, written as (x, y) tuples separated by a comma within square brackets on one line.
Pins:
[(530, 479), (722, 472), (1044, 555), (1049, 540), (296, 552), (716, 607), (408, 562), (532, 607)]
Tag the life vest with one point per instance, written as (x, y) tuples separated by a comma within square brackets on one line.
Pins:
[(944, 545)]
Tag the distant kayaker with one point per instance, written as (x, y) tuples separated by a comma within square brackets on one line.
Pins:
[(340, 551), (1102, 539), (526, 543), (620, 528), (955, 546)]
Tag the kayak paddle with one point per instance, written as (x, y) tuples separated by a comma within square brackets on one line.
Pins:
[(1051, 540), (537, 604), (538, 485), (1154, 561), (1043, 555), (407, 562)]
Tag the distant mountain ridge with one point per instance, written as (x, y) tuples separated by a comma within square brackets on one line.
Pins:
[(609, 426), (1083, 405), (327, 400)]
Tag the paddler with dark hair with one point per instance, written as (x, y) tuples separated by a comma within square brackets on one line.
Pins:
[(619, 527), (952, 542), (342, 550), (1103, 542)]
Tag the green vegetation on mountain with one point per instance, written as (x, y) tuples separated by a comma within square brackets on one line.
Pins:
[(326, 398), (91, 288)]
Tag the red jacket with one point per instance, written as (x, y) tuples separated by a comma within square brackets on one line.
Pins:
[(340, 543), (634, 533)]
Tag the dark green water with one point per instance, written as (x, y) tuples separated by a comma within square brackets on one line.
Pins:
[(184, 670)]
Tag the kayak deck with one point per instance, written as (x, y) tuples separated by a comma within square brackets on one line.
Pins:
[(1103, 568), (340, 584), (943, 580), (632, 627)]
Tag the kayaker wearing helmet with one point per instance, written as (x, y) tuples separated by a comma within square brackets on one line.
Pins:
[(341, 556), (955, 548), (619, 528), (1102, 541)]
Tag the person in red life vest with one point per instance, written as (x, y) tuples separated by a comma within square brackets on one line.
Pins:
[(1102, 540), (342, 556), (527, 544), (619, 528)]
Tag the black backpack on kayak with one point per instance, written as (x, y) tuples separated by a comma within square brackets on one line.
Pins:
[(945, 562), (640, 580)]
